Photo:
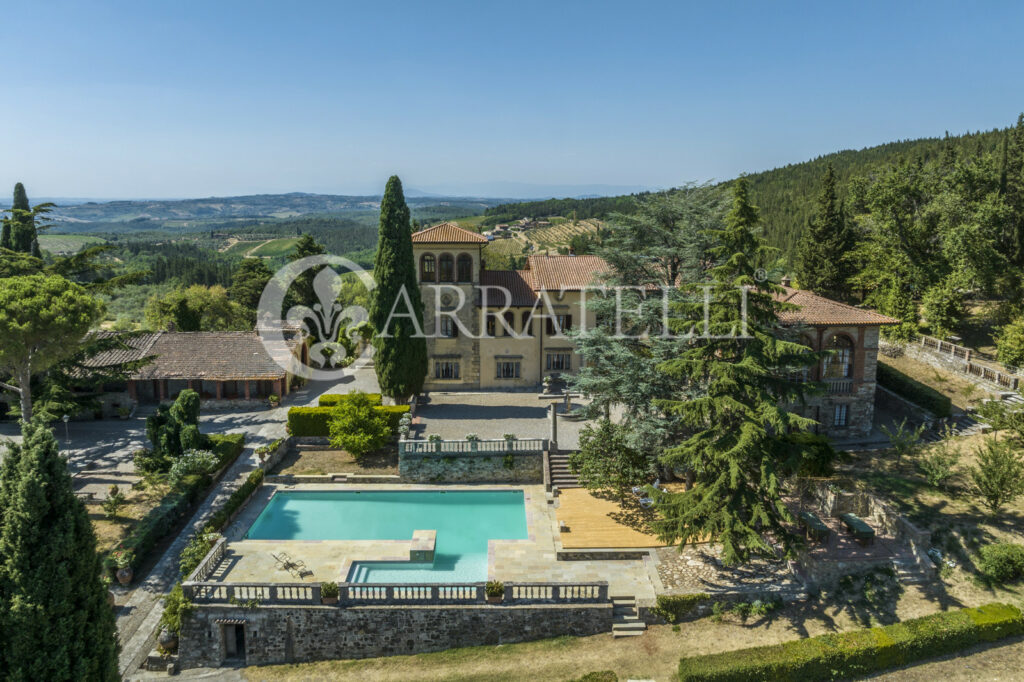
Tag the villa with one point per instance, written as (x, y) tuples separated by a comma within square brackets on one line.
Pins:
[(514, 340)]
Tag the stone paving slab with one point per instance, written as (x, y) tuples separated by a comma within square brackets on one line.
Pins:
[(698, 568)]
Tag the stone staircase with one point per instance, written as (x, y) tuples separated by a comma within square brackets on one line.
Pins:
[(561, 477), (625, 618), (909, 572)]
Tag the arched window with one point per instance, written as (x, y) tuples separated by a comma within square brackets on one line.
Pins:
[(428, 268), (527, 323), (465, 268), (839, 362), (510, 323), (446, 267)]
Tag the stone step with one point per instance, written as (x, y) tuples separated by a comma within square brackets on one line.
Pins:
[(628, 626), (626, 633)]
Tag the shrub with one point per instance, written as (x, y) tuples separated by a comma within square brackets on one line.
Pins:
[(115, 500), (358, 427), (329, 590), (494, 588), (195, 549), (860, 652), (315, 421), (1002, 562), (1010, 344), (176, 609), (598, 676), (676, 607), (999, 476), (227, 447), (237, 499), (606, 461), (332, 399), (192, 462), (937, 464), (914, 391)]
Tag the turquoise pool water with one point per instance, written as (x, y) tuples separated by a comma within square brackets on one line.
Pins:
[(464, 521)]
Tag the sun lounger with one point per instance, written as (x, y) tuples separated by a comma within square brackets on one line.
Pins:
[(814, 527), (861, 531), (646, 502)]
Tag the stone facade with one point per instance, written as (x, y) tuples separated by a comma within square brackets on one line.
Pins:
[(285, 634), (469, 468)]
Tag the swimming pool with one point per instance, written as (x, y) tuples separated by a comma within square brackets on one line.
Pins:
[(464, 521)]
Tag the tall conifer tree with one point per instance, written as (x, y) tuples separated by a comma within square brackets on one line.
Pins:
[(821, 264), (739, 448), (1013, 183), (401, 357), (55, 623), (23, 225)]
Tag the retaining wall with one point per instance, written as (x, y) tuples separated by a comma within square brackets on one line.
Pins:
[(282, 634), (513, 467)]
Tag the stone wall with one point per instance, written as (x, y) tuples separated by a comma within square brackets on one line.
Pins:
[(470, 468), (284, 634)]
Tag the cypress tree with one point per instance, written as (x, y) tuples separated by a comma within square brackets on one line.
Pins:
[(821, 262), (23, 225), (56, 623), (741, 443), (401, 357), (5, 234)]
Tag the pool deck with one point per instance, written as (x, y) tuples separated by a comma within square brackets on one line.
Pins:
[(531, 560)]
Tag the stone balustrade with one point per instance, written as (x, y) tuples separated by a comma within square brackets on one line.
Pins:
[(367, 594), (210, 561), (493, 446)]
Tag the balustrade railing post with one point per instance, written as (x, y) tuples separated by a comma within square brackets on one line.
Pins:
[(602, 592), (315, 591)]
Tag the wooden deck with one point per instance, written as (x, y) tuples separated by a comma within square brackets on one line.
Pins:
[(598, 523)]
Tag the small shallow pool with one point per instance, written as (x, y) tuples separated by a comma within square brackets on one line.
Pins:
[(464, 521)]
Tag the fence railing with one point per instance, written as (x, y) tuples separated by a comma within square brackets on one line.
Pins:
[(367, 594), (838, 386), (992, 375), (465, 447)]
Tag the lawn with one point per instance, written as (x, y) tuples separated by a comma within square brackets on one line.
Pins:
[(275, 248), (322, 462), (141, 501), (962, 392)]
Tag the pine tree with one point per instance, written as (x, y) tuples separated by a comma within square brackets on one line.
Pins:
[(1013, 170), (401, 357), (56, 623), (821, 264), (741, 445), (301, 291)]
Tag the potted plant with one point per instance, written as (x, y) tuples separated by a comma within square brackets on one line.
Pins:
[(274, 399), (124, 411), (509, 439), (495, 591), (473, 440), (329, 593), (436, 440), (123, 559)]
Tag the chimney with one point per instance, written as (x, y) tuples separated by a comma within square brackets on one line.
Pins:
[(786, 281)]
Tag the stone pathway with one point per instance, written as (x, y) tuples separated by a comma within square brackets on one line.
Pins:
[(699, 569)]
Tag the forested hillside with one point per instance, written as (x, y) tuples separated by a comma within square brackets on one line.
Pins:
[(785, 195)]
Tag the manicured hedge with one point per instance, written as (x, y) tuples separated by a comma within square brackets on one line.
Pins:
[(161, 518), (315, 421), (914, 391), (676, 607), (860, 652), (331, 399), (227, 446), (189, 560)]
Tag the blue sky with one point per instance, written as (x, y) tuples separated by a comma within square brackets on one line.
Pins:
[(182, 99)]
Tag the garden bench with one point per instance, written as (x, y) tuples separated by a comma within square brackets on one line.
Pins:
[(861, 531), (814, 526)]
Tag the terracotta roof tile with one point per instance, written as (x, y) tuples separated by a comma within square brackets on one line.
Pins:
[(515, 282), (217, 356), (814, 309), (571, 273), (447, 233), (135, 348)]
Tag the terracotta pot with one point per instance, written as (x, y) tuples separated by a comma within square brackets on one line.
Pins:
[(168, 641), (125, 575), (494, 600), (111, 601), (328, 600)]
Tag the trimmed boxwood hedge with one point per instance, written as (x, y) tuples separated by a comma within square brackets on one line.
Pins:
[(860, 652), (331, 399), (315, 421), (676, 607), (161, 518), (914, 391)]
